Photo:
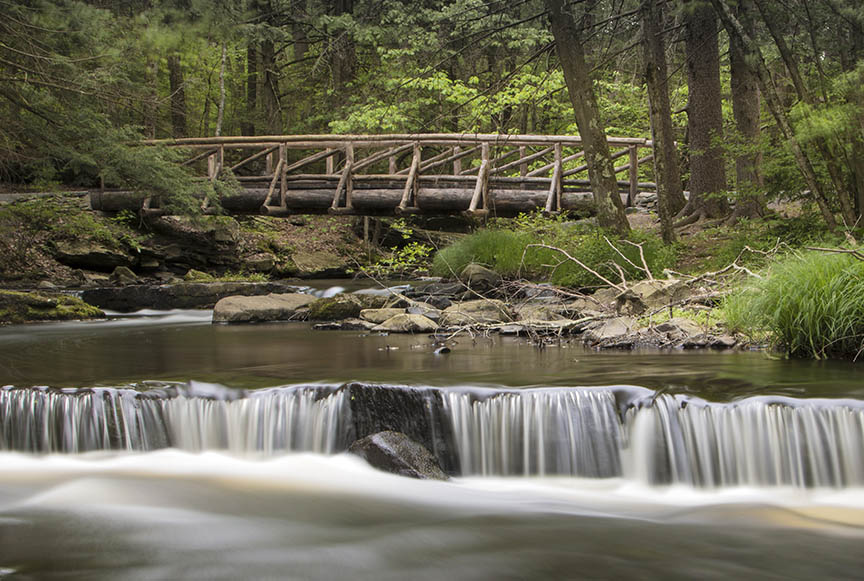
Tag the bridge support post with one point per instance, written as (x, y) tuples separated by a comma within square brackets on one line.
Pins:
[(634, 176)]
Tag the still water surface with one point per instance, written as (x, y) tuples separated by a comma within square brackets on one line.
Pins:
[(173, 515)]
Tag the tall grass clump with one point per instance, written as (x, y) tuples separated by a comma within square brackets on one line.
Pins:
[(811, 305), (507, 249)]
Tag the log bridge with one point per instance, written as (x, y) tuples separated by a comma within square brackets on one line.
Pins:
[(380, 175)]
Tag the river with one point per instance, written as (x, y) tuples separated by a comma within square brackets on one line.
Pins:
[(717, 465)]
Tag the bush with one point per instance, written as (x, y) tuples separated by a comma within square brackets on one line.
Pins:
[(507, 251), (811, 305)]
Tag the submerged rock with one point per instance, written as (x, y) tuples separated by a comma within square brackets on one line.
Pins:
[(406, 323), (272, 307), (397, 453)]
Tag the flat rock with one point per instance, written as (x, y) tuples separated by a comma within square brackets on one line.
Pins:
[(406, 323), (272, 307), (378, 316), (344, 306), (534, 311), (611, 329), (396, 453), (483, 311), (680, 327)]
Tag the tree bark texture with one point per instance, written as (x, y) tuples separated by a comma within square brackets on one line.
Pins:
[(704, 111), (251, 89), (746, 110), (177, 101), (754, 55), (670, 198), (269, 92), (571, 53)]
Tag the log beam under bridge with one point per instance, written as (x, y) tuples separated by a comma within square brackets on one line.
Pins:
[(381, 175)]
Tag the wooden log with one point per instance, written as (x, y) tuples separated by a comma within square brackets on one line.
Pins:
[(634, 176), (553, 200), (411, 182), (371, 202), (390, 154), (198, 157), (452, 138), (541, 170), (523, 161), (481, 187)]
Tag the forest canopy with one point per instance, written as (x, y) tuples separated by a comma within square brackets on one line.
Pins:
[(753, 99)]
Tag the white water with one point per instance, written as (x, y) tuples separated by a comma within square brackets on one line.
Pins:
[(172, 515), (757, 442)]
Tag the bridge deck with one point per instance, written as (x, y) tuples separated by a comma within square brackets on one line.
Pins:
[(476, 174)]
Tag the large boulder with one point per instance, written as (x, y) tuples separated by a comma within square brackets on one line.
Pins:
[(396, 453), (91, 255), (539, 311), (477, 312), (659, 293), (272, 307), (344, 306), (611, 329), (406, 323), (479, 278), (378, 316)]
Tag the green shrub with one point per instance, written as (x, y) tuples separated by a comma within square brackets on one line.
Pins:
[(508, 252), (811, 305)]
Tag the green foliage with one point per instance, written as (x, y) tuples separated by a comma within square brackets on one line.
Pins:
[(509, 252), (807, 229), (403, 261), (810, 305)]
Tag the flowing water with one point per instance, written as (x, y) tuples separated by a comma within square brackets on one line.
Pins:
[(159, 446)]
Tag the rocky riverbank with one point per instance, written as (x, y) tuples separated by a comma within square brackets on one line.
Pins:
[(668, 313)]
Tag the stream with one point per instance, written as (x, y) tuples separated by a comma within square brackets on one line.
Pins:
[(156, 445)]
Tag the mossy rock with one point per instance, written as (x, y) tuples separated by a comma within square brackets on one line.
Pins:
[(344, 306), (22, 307)]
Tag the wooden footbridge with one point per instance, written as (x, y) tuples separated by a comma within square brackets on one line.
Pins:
[(375, 175)]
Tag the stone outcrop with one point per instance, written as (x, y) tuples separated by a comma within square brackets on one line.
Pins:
[(396, 453), (479, 278), (192, 295), (91, 255), (272, 307)]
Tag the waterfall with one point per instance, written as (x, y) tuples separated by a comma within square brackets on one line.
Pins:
[(585, 432), (300, 418), (753, 442), (555, 431)]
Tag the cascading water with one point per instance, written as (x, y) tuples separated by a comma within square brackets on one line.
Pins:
[(585, 432), (561, 431), (301, 418)]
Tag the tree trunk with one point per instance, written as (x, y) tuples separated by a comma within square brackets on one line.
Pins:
[(251, 89), (298, 30), (269, 89), (704, 112), (220, 115), (754, 55), (178, 96), (151, 107), (343, 54), (746, 110), (571, 53), (670, 198), (822, 146)]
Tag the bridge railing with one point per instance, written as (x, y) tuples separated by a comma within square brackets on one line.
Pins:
[(404, 173)]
